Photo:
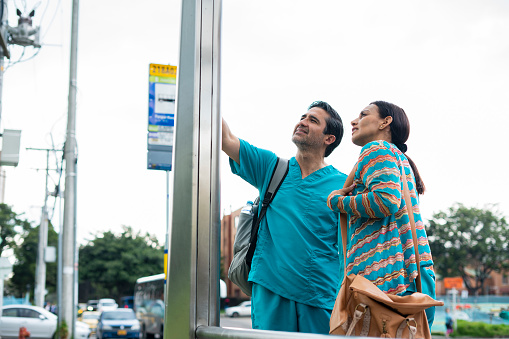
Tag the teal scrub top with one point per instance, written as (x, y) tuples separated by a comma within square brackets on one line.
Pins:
[(297, 253)]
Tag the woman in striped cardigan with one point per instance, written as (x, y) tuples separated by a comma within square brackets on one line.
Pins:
[(379, 239)]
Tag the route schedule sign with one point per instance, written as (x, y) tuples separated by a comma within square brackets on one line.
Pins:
[(161, 116)]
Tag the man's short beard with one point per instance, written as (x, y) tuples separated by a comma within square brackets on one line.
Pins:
[(303, 145)]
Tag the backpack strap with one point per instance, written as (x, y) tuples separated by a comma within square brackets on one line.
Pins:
[(276, 180)]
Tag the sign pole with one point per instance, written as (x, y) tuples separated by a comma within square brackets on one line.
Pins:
[(5, 270)]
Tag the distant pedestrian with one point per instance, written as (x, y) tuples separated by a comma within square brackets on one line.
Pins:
[(449, 323), (504, 314)]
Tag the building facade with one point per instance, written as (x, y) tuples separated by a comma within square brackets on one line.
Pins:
[(228, 230)]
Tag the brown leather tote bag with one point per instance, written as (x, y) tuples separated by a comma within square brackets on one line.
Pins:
[(362, 309)]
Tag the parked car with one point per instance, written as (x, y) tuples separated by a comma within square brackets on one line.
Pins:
[(119, 323), (243, 309), (38, 321), (82, 329), (90, 318), (106, 304)]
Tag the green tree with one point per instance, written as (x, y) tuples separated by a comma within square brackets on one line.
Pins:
[(23, 278), (9, 220), (111, 263), (469, 242)]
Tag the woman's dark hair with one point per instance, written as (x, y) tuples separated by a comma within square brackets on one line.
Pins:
[(333, 124), (400, 130)]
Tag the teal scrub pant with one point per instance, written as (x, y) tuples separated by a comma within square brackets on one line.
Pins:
[(428, 286), (270, 311)]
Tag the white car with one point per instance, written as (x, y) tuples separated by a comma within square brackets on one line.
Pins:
[(243, 309), (107, 304), (38, 321)]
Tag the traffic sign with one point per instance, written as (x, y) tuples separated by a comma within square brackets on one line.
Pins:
[(453, 282), (161, 116)]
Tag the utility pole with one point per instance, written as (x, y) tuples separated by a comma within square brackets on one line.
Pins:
[(68, 311), (40, 268), (4, 49)]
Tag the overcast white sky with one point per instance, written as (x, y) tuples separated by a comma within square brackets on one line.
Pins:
[(445, 62)]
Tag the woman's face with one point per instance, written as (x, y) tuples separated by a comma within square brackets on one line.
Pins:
[(368, 126)]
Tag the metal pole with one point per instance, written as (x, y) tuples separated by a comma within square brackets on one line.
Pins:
[(70, 156), (4, 44), (167, 242), (76, 256), (40, 278), (1, 297), (193, 277), (60, 255), (5, 270)]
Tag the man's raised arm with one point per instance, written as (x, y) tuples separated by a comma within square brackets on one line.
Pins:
[(230, 143)]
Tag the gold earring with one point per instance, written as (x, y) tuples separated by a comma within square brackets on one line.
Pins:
[(381, 126)]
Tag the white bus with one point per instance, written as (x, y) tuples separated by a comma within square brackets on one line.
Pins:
[(149, 304)]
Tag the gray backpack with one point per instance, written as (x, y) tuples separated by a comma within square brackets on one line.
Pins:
[(247, 230)]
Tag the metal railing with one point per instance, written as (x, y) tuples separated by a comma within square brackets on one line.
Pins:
[(211, 332)]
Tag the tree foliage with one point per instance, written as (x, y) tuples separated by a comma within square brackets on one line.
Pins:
[(111, 263), (9, 220), (23, 279), (469, 242)]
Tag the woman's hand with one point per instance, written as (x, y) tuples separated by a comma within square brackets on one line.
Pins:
[(345, 191)]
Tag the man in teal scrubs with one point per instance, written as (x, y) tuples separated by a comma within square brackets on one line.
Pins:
[(296, 270)]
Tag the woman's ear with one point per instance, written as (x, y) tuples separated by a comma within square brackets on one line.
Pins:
[(387, 121)]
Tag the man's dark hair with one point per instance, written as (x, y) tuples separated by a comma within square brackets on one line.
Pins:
[(334, 124)]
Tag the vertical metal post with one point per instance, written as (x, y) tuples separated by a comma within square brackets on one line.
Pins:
[(76, 254), (40, 278), (5, 270), (193, 278), (4, 52), (167, 235), (68, 246), (1, 297), (167, 206), (60, 257)]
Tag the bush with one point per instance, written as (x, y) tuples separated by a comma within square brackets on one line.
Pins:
[(477, 329), (63, 330)]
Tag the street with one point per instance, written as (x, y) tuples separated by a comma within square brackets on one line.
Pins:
[(239, 322)]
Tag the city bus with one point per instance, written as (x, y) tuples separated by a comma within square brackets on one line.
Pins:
[(149, 304)]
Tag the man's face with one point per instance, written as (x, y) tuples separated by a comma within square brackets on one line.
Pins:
[(308, 132)]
